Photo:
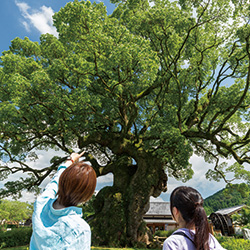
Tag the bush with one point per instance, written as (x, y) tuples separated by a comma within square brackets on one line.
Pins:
[(231, 243), (161, 233), (12, 226), (15, 237), (247, 226)]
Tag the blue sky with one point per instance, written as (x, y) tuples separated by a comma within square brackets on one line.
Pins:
[(31, 18), (20, 18)]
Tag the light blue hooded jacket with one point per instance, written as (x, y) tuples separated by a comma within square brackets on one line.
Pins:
[(58, 228)]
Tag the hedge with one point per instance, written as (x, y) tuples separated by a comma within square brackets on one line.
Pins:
[(162, 233), (21, 237), (231, 243), (15, 237)]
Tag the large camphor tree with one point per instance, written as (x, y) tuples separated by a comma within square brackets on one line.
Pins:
[(140, 91)]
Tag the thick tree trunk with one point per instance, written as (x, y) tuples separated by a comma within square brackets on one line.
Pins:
[(149, 180), (120, 208)]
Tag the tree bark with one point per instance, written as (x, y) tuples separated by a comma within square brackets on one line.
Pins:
[(119, 209)]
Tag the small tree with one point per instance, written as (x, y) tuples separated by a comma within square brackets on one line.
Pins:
[(15, 211), (242, 218)]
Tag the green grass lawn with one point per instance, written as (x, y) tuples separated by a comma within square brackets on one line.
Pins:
[(92, 248), (17, 248), (100, 248), (230, 244)]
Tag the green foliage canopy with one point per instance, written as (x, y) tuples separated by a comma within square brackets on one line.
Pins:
[(243, 218), (15, 210), (232, 195), (164, 81), (140, 91)]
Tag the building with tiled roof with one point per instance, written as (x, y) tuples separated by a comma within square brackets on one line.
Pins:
[(159, 217)]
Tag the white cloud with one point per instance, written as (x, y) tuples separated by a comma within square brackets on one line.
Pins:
[(186, 64), (40, 19), (26, 26), (151, 4), (23, 6), (199, 181), (158, 199), (105, 179), (42, 162), (26, 197)]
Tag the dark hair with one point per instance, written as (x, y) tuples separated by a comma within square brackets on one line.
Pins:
[(76, 184), (190, 204)]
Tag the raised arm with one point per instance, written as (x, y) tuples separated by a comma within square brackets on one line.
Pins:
[(52, 187)]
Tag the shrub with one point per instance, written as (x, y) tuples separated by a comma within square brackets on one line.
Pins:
[(12, 226), (247, 226), (231, 243), (162, 233), (15, 237)]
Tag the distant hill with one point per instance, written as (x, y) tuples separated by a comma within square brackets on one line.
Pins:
[(232, 195)]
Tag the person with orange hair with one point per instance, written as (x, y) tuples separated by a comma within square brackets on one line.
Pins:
[(57, 221)]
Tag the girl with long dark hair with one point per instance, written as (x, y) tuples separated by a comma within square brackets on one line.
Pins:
[(186, 206)]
